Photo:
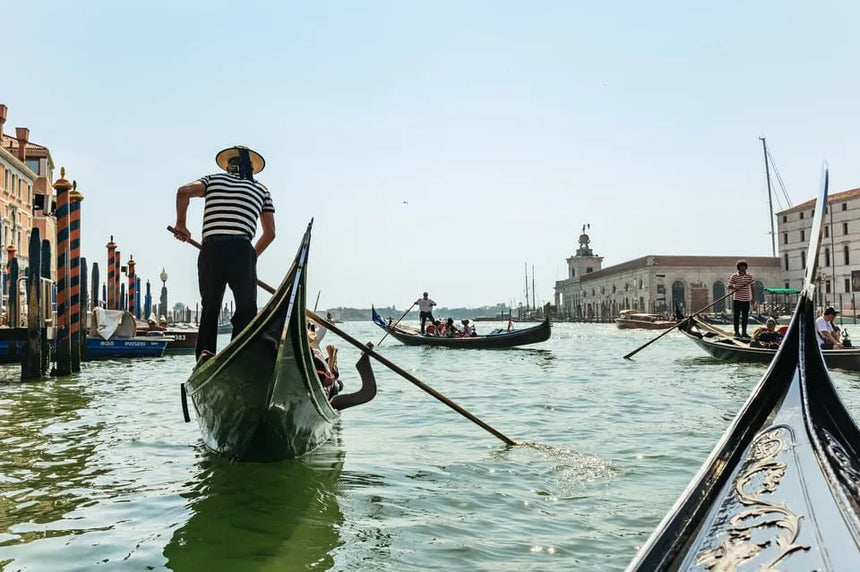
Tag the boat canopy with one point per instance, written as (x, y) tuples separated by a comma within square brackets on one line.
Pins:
[(782, 290)]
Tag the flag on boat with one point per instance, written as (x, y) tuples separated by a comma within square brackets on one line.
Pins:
[(377, 319)]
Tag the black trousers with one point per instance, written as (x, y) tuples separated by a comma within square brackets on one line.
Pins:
[(741, 312), (225, 261), (424, 317)]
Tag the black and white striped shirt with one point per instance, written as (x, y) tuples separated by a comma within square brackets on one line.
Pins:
[(233, 205)]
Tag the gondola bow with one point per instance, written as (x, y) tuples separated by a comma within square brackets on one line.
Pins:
[(781, 490)]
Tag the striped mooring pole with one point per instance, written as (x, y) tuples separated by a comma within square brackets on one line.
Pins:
[(110, 298), (75, 199), (118, 285), (64, 349)]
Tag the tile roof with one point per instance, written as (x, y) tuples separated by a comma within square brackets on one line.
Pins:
[(810, 204), (11, 144)]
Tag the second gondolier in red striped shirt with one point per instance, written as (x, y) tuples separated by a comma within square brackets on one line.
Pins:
[(741, 282), (234, 202)]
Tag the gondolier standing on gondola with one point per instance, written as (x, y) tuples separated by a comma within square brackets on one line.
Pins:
[(741, 283), (425, 308), (234, 203)]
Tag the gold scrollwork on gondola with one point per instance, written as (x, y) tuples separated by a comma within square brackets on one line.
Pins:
[(845, 468), (762, 473)]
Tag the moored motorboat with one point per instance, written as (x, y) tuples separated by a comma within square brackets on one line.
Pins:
[(781, 490), (495, 340), (182, 336), (636, 319), (260, 399), (113, 334)]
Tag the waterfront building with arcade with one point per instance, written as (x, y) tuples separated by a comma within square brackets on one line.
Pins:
[(652, 283)]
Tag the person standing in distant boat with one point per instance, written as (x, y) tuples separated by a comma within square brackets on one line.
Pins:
[(234, 203), (741, 283), (425, 308)]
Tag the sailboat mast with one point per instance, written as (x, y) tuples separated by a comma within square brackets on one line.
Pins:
[(769, 196), (534, 302), (526, 264)]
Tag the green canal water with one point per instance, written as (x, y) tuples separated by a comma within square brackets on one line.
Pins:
[(99, 472)]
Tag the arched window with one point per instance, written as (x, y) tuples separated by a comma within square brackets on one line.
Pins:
[(802, 259), (719, 292), (845, 255), (678, 298), (826, 257), (786, 261)]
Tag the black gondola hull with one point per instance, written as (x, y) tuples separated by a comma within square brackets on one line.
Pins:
[(533, 335), (259, 399), (848, 359)]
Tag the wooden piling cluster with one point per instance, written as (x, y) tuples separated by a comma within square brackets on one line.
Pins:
[(34, 332)]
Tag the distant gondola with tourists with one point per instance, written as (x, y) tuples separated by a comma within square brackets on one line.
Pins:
[(496, 339)]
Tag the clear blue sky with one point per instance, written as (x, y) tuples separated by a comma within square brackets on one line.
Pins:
[(505, 126)]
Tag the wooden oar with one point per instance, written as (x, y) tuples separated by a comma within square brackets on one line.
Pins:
[(684, 321), (384, 361), (409, 377), (394, 325), (707, 327)]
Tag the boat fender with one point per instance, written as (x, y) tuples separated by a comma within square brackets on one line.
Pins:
[(184, 397)]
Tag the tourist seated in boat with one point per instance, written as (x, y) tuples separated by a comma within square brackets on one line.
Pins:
[(766, 337), (451, 330), (827, 330), (468, 329), (430, 330), (325, 364)]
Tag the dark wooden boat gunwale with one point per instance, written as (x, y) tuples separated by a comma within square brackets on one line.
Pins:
[(722, 348), (794, 439), (533, 335), (259, 398)]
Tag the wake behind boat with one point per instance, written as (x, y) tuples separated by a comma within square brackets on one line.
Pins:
[(260, 399), (781, 490), (498, 340)]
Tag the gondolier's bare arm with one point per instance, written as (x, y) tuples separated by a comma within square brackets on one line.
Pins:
[(267, 222), (183, 198)]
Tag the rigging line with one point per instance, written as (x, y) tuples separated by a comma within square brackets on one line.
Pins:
[(779, 178)]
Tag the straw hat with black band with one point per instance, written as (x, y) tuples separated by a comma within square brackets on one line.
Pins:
[(249, 161)]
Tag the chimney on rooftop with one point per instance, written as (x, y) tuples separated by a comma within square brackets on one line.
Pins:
[(22, 134), (3, 110)]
